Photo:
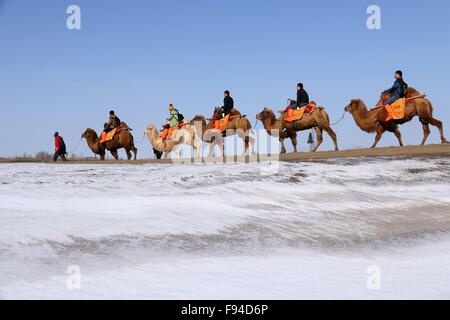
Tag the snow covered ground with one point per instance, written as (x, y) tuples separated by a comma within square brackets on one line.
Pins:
[(351, 228)]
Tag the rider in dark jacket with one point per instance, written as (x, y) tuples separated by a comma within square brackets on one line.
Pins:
[(397, 90), (302, 97), (228, 103)]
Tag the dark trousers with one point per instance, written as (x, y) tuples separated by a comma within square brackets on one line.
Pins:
[(57, 155)]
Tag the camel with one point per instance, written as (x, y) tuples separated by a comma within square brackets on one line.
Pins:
[(374, 120), (238, 125), (122, 140), (187, 134), (272, 125), (318, 119)]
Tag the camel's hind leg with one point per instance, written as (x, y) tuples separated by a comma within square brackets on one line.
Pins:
[(426, 128), (319, 136), (115, 154), (196, 146), (323, 121), (438, 124), (129, 155), (333, 136), (135, 151)]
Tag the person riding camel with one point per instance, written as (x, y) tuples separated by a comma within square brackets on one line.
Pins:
[(113, 122), (228, 105), (172, 121), (302, 97), (398, 90)]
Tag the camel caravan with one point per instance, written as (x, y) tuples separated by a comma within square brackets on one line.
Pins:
[(397, 105)]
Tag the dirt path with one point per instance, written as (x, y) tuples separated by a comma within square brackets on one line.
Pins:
[(409, 151)]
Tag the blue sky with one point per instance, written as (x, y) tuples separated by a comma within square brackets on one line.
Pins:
[(138, 56)]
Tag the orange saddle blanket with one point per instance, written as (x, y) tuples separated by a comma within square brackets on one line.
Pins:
[(396, 110), (108, 136), (222, 124), (297, 114), (169, 133)]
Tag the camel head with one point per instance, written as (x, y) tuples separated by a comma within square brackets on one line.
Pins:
[(89, 134), (266, 113), (198, 118), (150, 130), (355, 105), (218, 110)]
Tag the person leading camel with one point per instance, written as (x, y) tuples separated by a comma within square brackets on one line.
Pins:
[(398, 90), (60, 148)]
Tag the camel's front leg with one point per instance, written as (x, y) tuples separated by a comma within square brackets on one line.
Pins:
[(211, 149), (283, 148), (294, 141), (196, 146), (380, 131)]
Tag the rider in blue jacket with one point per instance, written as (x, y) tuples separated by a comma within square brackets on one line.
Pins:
[(398, 90)]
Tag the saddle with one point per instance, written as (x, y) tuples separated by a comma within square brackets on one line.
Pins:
[(222, 124), (396, 110), (297, 114), (169, 133), (108, 136)]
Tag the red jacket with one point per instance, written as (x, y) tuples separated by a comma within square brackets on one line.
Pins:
[(58, 143)]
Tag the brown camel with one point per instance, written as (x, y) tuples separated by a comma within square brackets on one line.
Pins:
[(238, 125), (318, 119), (122, 140), (272, 125), (374, 120)]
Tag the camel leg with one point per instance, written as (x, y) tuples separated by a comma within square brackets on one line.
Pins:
[(283, 148), (129, 155), (333, 136), (211, 149), (438, 124), (319, 136), (380, 131), (135, 151), (176, 150), (115, 154), (253, 143), (222, 148), (399, 136), (294, 141), (426, 132), (102, 157), (246, 144), (196, 147)]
